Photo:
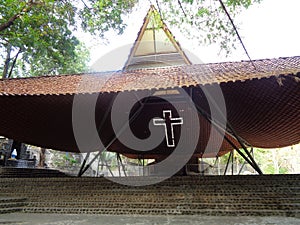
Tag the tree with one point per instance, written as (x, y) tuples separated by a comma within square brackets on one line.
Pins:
[(42, 160), (205, 20), (40, 33), (44, 64)]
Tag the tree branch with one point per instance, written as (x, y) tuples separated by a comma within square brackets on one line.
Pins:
[(12, 19), (13, 64), (9, 22)]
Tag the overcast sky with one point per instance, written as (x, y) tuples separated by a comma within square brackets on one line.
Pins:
[(269, 30)]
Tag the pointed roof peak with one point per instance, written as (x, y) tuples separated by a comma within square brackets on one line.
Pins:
[(155, 45)]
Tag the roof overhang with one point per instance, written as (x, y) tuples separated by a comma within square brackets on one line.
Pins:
[(262, 103)]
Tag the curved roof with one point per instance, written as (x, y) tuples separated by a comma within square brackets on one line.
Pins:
[(262, 102), (152, 78)]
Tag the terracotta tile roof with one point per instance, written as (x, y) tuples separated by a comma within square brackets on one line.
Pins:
[(156, 78), (262, 103)]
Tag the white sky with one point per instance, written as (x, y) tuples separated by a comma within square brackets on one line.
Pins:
[(269, 30)]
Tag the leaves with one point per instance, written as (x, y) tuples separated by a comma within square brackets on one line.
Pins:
[(44, 32), (205, 20), (241, 3)]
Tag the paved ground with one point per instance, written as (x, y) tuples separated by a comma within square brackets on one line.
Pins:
[(62, 219)]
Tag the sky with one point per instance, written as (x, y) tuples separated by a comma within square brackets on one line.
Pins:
[(270, 29)]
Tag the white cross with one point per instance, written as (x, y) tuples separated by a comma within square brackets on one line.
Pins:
[(168, 122)]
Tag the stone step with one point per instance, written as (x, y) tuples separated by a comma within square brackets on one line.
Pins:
[(11, 210), (72, 191), (10, 205), (11, 172), (19, 175), (196, 179), (105, 182), (50, 185), (169, 205), (218, 196), (159, 196), (4, 199), (205, 188), (157, 193), (96, 181), (128, 199), (134, 211), (53, 189)]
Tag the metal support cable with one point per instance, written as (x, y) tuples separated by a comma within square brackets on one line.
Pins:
[(227, 163), (232, 162), (119, 169), (90, 163), (159, 10), (228, 125), (254, 165), (106, 114), (82, 170), (219, 128), (236, 31), (244, 147), (181, 7), (97, 174), (123, 167), (106, 164), (83, 164), (242, 167), (135, 115)]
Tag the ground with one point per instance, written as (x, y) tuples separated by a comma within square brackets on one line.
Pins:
[(65, 219)]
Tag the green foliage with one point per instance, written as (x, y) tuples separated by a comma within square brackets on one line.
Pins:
[(70, 160), (110, 158), (39, 33), (37, 36), (47, 64), (62, 160), (205, 20), (239, 3), (99, 16), (271, 161)]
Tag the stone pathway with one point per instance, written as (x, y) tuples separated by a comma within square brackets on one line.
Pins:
[(67, 219)]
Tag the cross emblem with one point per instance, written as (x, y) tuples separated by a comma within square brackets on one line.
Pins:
[(168, 122)]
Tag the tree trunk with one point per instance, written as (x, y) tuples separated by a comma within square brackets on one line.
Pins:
[(42, 157), (7, 61)]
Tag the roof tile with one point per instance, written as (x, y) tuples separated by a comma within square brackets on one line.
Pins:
[(153, 78)]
